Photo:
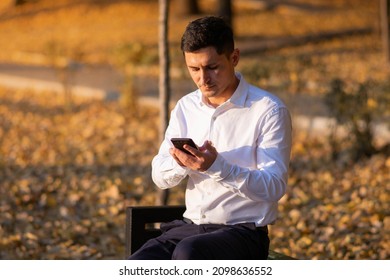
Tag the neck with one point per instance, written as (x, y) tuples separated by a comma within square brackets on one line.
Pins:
[(215, 101)]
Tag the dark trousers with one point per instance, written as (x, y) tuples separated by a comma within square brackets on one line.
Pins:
[(181, 240)]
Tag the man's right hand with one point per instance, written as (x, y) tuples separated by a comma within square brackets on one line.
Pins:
[(198, 160)]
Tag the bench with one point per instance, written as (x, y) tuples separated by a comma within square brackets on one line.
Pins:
[(141, 221)]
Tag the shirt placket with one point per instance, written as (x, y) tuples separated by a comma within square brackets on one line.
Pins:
[(218, 111), (207, 191)]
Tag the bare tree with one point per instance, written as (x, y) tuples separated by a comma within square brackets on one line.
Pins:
[(225, 10), (164, 82), (385, 27), (19, 2), (187, 7)]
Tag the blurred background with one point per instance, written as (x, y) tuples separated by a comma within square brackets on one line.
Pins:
[(80, 119)]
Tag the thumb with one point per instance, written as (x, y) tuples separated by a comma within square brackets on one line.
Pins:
[(209, 146)]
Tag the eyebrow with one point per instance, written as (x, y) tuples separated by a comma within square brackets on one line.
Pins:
[(211, 65)]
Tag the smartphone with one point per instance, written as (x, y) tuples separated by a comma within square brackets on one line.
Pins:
[(180, 142)]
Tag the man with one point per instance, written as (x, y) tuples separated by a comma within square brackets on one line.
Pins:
[(239, 172)]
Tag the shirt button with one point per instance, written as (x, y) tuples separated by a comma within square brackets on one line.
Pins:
[(203, 216)]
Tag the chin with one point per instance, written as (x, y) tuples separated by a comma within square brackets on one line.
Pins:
[(209, 93)]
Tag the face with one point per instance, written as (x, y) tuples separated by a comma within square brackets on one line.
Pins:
[(213, 73)]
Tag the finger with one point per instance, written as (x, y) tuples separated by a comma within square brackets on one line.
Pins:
[(204, 146), (210, 147), (192, 150), (173, 151)]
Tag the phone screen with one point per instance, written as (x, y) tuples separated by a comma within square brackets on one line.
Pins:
[(180, 142)]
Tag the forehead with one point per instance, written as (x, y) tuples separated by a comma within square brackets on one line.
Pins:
[(203, 57)]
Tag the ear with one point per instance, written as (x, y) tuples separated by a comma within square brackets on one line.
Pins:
[(235, 57)]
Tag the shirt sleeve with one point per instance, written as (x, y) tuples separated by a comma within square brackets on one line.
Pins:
[(268, 182), (166, 172)]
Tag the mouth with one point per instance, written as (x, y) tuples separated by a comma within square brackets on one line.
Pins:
[(208, 87)]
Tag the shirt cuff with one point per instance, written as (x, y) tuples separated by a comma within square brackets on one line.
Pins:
[(180, 170)]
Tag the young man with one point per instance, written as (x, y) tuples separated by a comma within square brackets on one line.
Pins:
[(239, 172)]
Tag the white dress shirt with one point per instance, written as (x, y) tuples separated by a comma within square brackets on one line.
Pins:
[(252, 134)]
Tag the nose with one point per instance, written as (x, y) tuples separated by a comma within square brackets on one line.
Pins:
[(204, 78)]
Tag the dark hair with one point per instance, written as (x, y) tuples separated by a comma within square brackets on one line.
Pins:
[(208, 31)]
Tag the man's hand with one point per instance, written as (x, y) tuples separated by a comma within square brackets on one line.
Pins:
[(199, 160)]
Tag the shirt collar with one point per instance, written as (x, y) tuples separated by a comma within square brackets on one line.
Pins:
[(240, 95)]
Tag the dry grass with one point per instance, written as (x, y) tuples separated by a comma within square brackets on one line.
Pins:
[(95, 27), (92, 30)]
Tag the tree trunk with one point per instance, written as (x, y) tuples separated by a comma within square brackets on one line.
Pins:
[(225, 10), (385, 27), (19, 2), (187, 7), (164, 83)]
